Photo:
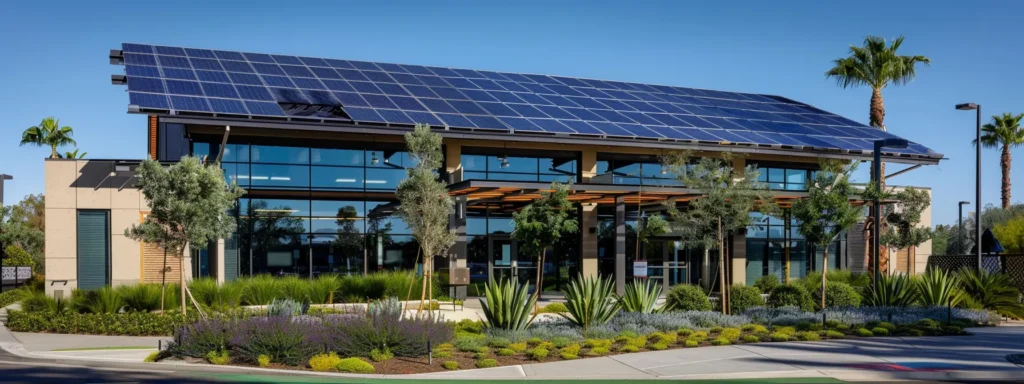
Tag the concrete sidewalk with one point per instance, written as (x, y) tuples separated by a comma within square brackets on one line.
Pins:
[(981, 356)]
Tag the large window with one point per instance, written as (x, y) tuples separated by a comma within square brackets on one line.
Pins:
[(783, 178), (770, 238), (633, 170), (313, 237), (518, 165), (364, 167)]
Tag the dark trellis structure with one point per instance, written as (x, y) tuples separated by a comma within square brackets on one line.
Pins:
[(1012, 265)]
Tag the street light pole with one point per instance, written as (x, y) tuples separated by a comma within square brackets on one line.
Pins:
[(977, 176), (960, 225), (876, 167)]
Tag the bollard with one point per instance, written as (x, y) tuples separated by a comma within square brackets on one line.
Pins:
[(430, 353), (160, 345), (949, 312), (823, 326)]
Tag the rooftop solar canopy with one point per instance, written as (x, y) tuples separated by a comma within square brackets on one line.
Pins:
[(180, 80)]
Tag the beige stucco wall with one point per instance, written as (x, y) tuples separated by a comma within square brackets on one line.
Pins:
[(856, 251), (86, 184)]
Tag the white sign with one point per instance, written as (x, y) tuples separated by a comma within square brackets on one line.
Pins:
[(640, 269)]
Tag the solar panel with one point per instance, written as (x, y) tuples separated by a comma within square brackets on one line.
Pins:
[(202, 80)]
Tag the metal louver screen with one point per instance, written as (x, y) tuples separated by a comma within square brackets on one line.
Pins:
[(93, 249)]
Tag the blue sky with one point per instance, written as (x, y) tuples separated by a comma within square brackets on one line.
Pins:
[(55, 60)]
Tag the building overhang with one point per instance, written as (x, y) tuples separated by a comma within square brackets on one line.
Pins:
[(305, 124)]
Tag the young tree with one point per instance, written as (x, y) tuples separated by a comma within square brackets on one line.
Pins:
[(49, 133), (543, 222), (826, 211), (24, 225), (903, 219), (1011, 235), (426, 206), (189, 204), (728, 196)]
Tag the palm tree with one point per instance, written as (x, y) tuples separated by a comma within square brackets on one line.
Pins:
[(1005, 132), (49, 133), (876, 65), (75, 154)]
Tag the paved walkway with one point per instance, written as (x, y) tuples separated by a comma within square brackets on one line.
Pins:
[(981, 356)]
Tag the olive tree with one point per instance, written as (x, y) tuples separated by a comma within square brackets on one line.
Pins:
[(189, 204), (543, 222), (425, 204), (826, 211)]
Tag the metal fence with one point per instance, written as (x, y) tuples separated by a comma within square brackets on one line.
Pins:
[(1012, 265), (14, 276)]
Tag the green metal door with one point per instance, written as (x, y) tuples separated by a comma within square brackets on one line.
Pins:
[(93, 249)]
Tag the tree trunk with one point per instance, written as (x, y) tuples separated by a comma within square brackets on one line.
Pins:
[(423, 291), (824, 274), (408, 295), (163, 283), (1004, 162), (53, 152), (181, 278), (721, 268), (877, 120)]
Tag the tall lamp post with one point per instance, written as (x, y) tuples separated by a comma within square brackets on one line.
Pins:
[(876, 168), (960, 225), (3, 252), (977, 175)]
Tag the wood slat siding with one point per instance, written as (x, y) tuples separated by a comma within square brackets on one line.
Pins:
[(153, 262), (152, 136)]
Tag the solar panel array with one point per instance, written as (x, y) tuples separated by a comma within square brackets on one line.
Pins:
[(179, 79)]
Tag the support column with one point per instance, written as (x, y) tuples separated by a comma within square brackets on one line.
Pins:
[(459, 249), (453, 162), (218, 263), (739, 259), (620, 245), (589, 240), (588, 165)]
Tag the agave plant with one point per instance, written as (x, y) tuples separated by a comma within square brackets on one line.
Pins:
[(937, 288), (642, 296), (506, 305), (590, 301), (895, 290), (992, 291)]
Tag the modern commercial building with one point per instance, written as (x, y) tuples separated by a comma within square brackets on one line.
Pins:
[(317, 144)]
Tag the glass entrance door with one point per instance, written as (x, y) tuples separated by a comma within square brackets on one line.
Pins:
[(506, 262)]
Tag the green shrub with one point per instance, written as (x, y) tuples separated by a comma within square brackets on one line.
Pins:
[(102, 300), (12, 296), (767, 283), (140, 297), (808, 336), (263, 361), (730, 334), (260, 290), (152, 357), (218, 358), (879, 331), (685, 332), (598, 351), (68, 322), (698, 336), (896, 290), (568, 356), (554, 308), (720, 341), (864, 332), (667, 337), (285, 307), (757, 329), (518, 347), (538, 353), (443, 354), (991, 291), (789, 331), (450, 365), (887, 325), (778, 336), (750, 339), (629, 349), (482, 355), (638, 341), (470, 326), (691, 344), (591, 301), (686, 297), (507, 305), (716, 329), (743, 298), (379, 355), (506, 352), (355, 365), (17, 257), (560, 341), (597, 343), (498, 342), (834, 334), (660, 346), (912, 332), (571, 348), (322, 289), (38, 301), (791, 296), (534, 341), (486, 363), (466, 343), (324, 362), (837, 295)]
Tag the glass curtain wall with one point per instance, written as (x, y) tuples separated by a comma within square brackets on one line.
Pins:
[(633, 170), (781, 178), (519, 165), (767, 244)]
